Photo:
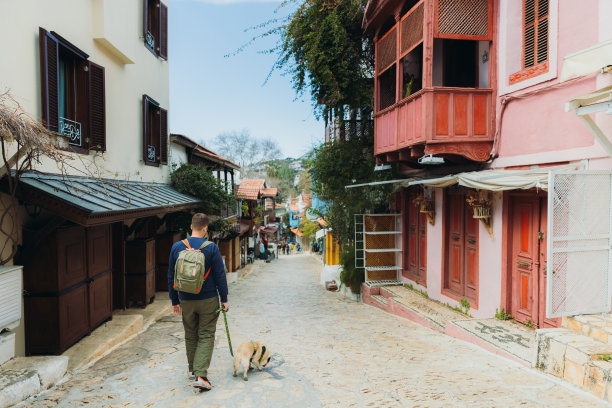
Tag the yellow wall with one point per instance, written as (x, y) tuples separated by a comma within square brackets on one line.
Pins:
[(110, 31), (332, 250)]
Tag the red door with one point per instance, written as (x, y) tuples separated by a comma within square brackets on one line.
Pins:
[(528, 261), (415, 239), (461, 271)]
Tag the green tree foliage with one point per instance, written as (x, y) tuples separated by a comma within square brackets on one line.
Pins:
[(199, 182), (323, 48), (281, 175), (336, 165), (326, 51), (309, 228)]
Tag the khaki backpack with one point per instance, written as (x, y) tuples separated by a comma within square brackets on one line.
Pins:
[(189, 269)]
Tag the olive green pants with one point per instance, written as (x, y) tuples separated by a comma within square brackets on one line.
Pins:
[(200, 323)]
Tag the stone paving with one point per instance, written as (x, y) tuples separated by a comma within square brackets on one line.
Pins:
[(327, 351)]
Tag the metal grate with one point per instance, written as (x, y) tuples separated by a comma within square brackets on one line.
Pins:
[(412, 28), (379, 253), (463, 17), (579, 243), (387, 50)]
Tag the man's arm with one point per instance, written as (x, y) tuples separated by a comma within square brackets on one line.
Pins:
[(171, 292), (218, 272)]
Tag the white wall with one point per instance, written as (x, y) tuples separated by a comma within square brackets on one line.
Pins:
[(117, 25)]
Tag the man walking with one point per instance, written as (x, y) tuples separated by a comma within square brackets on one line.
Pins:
[(199, 309)]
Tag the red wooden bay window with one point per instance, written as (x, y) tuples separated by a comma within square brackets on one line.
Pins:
[(72, 93), (155, 132)]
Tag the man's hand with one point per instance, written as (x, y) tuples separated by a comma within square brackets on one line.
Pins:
[(176, 309), (225, 306)]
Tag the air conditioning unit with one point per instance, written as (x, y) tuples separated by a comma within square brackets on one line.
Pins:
[(10, 296)]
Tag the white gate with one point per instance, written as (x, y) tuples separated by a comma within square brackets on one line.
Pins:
[(378, 247), (579, 243)]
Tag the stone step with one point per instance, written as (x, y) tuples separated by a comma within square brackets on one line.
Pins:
[(582, 360), (380, 299), (597, 326)]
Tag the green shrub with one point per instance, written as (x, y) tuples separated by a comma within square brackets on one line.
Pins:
[(350, 276)]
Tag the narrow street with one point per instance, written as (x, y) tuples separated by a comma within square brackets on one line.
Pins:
[(327, 351)]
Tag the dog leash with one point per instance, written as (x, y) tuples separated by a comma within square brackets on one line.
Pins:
[(229, 341)]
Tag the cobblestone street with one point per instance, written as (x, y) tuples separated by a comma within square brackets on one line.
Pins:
[(327, 351)]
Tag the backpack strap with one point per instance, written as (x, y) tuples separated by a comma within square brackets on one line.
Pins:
[(205, 244), (186, 243)]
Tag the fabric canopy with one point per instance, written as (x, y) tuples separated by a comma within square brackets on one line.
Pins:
[(587, 61), (495, 180)]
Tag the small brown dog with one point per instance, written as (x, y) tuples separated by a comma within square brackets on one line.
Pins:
[(251, 352)]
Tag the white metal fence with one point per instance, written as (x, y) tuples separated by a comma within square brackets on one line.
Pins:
[(579, 243)]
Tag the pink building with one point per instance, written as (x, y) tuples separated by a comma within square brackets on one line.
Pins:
[(480, 104)]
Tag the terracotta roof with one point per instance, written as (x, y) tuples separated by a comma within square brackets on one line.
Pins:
[(297, 232), (249, 189), (202, 151), (322, 222), (294, 208), (269, 192)]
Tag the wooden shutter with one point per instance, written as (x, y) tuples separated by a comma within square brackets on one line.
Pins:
[(163, 136), (163, 31), (97, 108), (535, 32), (49, 79), (145, 126), (145, 19)]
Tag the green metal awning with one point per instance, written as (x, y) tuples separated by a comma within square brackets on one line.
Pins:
[(89, 201)]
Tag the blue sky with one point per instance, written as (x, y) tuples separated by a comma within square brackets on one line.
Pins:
[(211, 94)]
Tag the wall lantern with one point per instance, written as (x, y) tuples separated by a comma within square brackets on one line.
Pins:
[(481, 204), (427, 204)]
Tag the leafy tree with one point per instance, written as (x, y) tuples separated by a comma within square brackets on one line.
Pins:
[(336, 165), (309, 228), (199, 182), (246, 150)]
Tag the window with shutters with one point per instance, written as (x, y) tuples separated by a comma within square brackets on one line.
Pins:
[(155, 132), (72, 93), (155, 27), (535, 40)]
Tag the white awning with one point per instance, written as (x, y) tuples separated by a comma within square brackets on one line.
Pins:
[(594, 102), (492, 180), (587, 61)]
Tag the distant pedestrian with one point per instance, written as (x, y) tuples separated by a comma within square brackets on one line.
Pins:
[(262, 250), (198, 307)]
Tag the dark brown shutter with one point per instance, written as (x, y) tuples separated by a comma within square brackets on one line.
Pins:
[(49, 79), (145, 126), (97, 108), (163, 136), (145, 18), (163, 31)]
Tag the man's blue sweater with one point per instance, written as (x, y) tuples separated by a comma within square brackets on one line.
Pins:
[(216, 281)]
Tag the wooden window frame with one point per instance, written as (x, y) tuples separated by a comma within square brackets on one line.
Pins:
[(89, 90), (154, 115), (538, 68), (155, 26)]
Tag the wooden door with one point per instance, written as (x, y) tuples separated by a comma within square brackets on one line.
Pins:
[(528, 260), (461, 269), (415, 240), (543, 321), (525, 249)]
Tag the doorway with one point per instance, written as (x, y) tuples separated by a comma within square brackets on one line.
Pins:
[(415, 238), (461, 268), (528, 259)]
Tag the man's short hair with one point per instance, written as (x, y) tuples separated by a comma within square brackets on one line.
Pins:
[(199, 221)]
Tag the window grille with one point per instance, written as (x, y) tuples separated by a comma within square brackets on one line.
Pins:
[(412, 28), (387, 50), (468, 18)]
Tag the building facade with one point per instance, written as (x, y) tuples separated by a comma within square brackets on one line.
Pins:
[(470, 102), (96, 233)]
